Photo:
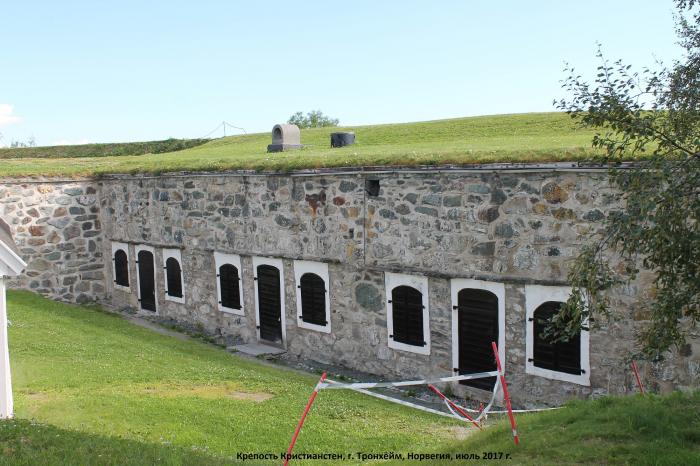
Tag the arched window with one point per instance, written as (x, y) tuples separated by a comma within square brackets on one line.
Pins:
[(407, 307), (172, 265), (229, 287), (313, 299), (174, 277), (560, 356), (121, 268), (408, 313), (229, 283), (477, 328)]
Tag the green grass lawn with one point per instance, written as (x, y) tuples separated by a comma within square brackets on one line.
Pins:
[(533, 137), (106, 385), (92, 388), (100, 150)]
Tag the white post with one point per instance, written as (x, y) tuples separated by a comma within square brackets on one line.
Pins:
[(6, 408)]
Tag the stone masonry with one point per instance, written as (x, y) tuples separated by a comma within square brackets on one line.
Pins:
[(515, 227), (59, 233)]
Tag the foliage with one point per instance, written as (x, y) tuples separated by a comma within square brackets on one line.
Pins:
[(656, 115), (29, 149), (31, 142), (313, 119), (531, 137)]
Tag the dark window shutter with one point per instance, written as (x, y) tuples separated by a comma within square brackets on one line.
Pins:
[(313, 299), (229, 286), (269, 302), (407, 310), (477, 327), (121, 268), (560, 356), (174, 277)]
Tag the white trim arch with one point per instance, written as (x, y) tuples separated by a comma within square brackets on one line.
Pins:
[(177, 255), (257, 261), (320, 269), (221, 259), (498, 289), (536, 295), (116, 246), (137, 249), (393, 280)]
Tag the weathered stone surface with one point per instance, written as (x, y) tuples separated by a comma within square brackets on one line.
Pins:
[(427, 211), (594, 215), (498, 196), (504, 230), (369, 297), (347, 186), (554, 194), (488, 214), (564, 214), (73, 191), (432, 199), (37, 230), (489, 226), (484, 249)]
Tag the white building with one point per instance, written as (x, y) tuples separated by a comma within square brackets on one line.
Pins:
[(11, 265)]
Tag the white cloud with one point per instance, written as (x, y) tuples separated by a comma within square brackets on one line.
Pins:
[(6, 116), (66, 142)]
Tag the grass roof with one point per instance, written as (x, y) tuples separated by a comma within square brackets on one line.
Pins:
[(532, 137)]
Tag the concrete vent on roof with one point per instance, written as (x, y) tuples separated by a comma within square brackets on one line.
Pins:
[(285, 137), (342, 139)]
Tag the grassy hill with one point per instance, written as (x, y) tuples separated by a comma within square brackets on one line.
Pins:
[(100, 150), (91, 388), (533, 137)]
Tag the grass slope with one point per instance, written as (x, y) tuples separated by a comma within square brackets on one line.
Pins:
[(534, 137), (100, 150), (91, 388), (99, 379)]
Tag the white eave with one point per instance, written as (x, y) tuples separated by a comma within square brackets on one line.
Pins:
[(11, 264)]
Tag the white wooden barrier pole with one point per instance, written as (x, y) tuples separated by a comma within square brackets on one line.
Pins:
[(6, 407)]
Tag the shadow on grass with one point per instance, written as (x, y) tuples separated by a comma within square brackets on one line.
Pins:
[(24, 442)]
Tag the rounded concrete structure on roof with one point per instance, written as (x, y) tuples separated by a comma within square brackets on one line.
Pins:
[(284, 137), (286, 134)]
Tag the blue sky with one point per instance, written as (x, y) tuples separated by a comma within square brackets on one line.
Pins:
[(79, 71)]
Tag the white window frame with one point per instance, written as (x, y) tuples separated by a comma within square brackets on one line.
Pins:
[(320, 269), (220, 259), (535, 295), (124, 247), (499, 289), (137, 249), (257, 261), (177, 255), (420, 283)]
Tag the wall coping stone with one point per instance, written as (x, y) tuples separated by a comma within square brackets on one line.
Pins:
[(429, 169)]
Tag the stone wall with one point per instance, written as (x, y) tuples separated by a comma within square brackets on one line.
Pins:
[(58, 230), (514, 227)]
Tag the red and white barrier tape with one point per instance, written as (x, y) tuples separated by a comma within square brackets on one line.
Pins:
[(407, 383), (402, 402)]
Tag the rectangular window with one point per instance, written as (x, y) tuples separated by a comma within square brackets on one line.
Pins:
[(172, 266), (120, 266), (408, 314), (565, 361), (270, 298), (146, 277), (478, 319), (229, 285), (313, 298)]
